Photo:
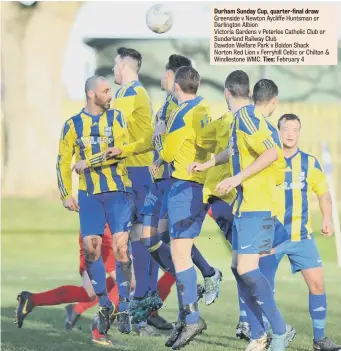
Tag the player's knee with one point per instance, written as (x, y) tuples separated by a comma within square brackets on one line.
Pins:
[(122, 252), (92, 247), (316, 288)]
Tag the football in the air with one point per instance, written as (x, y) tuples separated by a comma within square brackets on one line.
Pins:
[(159, 19)]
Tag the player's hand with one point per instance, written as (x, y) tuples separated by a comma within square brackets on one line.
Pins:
[(71, 204), (111, 152), (79, 166), (197, 167), (160, 128), (327, 228), (228, 184), (155, 167)]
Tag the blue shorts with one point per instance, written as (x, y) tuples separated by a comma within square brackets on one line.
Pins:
[(253, 233), (155, 205), (281, 234), (141, 183), (114, 208), (186, 210), (302, 254), (222, 214)]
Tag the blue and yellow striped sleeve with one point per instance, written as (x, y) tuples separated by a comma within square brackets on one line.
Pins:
[(66, 151), (255, 132), (168, 145), (319, 179), (121, 138)]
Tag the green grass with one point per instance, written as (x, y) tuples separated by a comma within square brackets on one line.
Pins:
[(40, 252)]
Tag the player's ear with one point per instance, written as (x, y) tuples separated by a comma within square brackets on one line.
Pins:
[(226, 93), (90, 94)]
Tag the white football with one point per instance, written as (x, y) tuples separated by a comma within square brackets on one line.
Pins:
[(159, 19)]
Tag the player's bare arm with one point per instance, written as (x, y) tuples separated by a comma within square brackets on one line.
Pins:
[(325, 202), (264, 160)]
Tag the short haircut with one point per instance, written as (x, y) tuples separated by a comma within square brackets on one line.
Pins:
[(288, 117), (177, 61), (90, 83), (188, 79), (264, 90), (131, 53), (238, 84)]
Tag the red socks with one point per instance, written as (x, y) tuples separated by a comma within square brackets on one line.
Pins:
[(165, 284), (62, 294)]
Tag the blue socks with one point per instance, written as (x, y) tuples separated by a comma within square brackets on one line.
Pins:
[(123, 277), (198, 259), (96, 271), (160, 252), (243, 307), (179, 290), (318, 313), (141, 260), (268, 266), (153, 275), (251, 308), (262, 292), (187, 285)]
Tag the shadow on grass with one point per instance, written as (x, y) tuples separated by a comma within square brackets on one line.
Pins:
[(43, 330)]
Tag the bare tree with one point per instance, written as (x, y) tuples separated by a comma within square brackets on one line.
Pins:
[(34, 40)]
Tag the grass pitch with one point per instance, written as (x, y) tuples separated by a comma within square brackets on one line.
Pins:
[(40, 252)]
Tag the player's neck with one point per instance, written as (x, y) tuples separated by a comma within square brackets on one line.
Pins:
[(237, 104), (289, 151), (93, 109), (185, 97), (262, 110), (129, 77)]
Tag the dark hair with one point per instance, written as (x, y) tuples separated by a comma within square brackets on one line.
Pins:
[(238, 84), (177, 61), (264, 90), (288, 117), (188, 79), (132, 53)]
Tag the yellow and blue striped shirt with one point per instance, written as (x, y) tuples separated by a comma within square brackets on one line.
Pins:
[(181, 145), (86, 136), (303, 175), (134, 102), (163, 115), (249, 138), (219, 131)]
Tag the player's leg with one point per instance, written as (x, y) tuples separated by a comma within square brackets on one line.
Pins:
[(150, 237), (63, 294), (255, 236), (119, 211), (74, 311), (185, 206), (251, 308), (27, 301), (92, 220), (221, 212), (306, 258), (268, 264), (160, 250), (110, 267), (167, 280)]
